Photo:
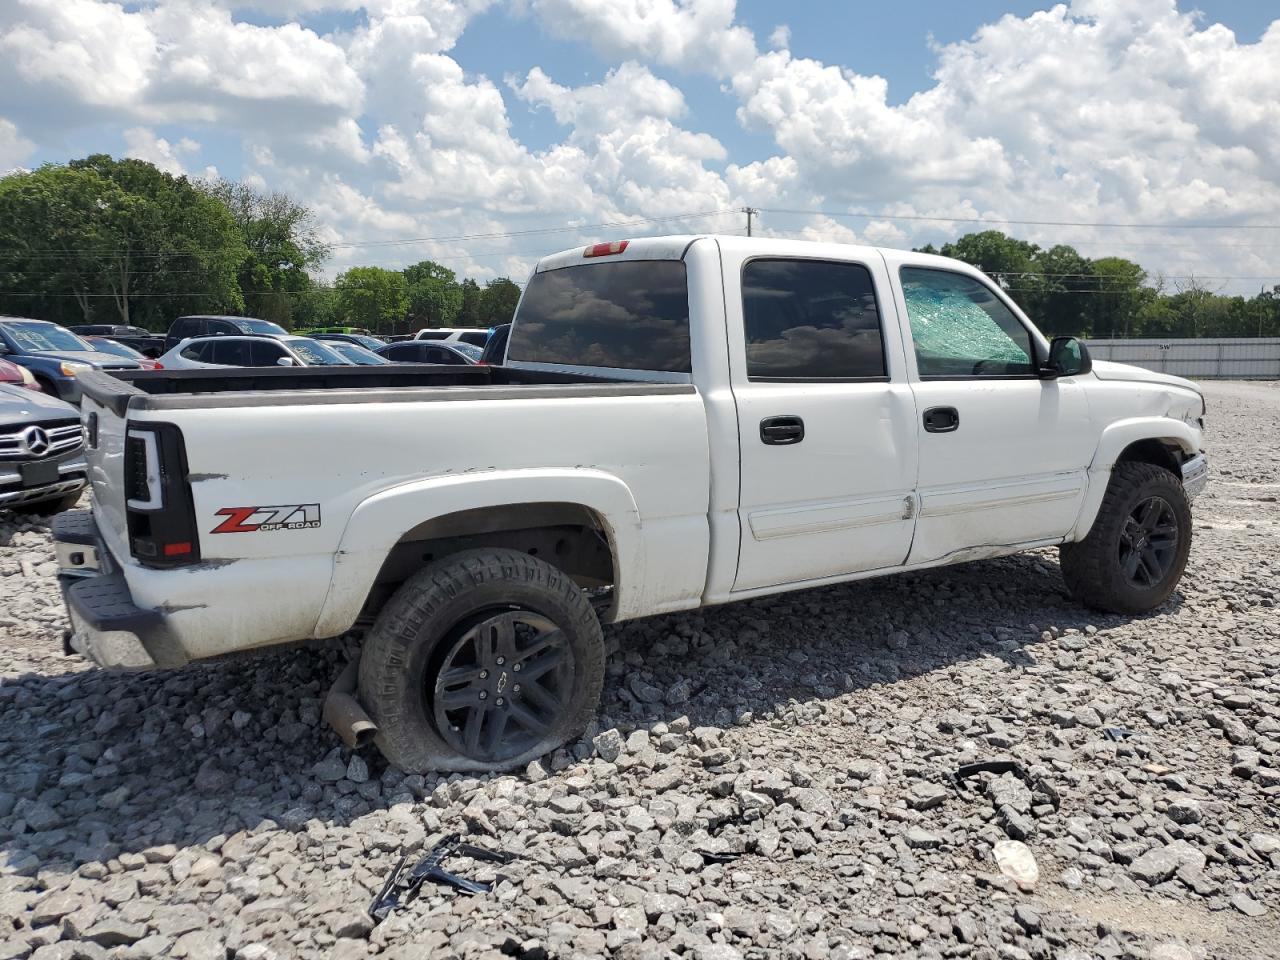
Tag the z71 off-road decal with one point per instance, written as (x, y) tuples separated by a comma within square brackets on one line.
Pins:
[(290, 516)]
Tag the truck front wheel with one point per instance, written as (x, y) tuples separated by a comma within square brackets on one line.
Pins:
[(1137, 548), (482, 661)]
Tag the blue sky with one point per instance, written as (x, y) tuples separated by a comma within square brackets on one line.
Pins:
[(398, 119)]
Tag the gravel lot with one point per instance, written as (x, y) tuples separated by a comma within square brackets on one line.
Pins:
[(804, 742)]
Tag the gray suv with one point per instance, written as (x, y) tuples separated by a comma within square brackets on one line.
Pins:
[(41, 451)]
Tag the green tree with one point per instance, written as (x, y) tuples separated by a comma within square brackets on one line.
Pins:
[(115, 241), (498, 302), (283, 245), (1121, 293), (1062, 300), (469, 315), (435, 296), (1010, 261), (371, 297)]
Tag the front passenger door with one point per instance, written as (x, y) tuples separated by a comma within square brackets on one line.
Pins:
[(1003, 453)]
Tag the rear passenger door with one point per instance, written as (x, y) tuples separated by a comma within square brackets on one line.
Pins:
[(826, 419)]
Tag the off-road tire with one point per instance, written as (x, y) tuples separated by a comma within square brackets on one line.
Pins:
[(398, 653), (1092, 567)]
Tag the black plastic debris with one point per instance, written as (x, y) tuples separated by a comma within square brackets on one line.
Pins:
[(402, 886), (1040, 788), (1117, 733)]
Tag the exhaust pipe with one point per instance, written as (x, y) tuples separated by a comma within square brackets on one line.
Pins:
[(343, 712)]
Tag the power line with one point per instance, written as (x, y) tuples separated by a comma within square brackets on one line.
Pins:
[(859, 215)]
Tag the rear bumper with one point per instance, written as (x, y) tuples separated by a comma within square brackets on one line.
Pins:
[(106, 625), (1195, 475)]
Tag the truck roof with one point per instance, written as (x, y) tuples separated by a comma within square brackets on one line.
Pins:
[(675, 247)]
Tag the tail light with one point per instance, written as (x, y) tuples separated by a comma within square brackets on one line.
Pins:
[(162, 527), (157, 365)]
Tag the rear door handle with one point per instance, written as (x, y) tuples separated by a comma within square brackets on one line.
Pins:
[(781, 431), (941, 420)]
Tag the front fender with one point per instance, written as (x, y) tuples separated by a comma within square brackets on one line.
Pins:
[(1116, 438), (379, 521)]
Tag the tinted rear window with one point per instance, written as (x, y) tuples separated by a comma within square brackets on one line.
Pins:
[(633, 315)]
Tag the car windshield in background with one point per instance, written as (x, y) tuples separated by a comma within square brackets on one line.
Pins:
[(356, 353), (110, 346), (369, 343), (249, 325), (631, 315), (467, 349), (318, 354), (44, 336)]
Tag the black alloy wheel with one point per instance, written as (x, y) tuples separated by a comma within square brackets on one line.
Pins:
[(502, 685), (1148, 542)]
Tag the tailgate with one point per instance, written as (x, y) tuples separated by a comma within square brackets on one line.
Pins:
[(103, 411)]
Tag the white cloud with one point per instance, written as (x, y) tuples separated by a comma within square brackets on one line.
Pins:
[(690, 34), (143, 144), (15, 149)]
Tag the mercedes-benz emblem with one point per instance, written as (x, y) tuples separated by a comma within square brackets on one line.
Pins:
[(35, 441)]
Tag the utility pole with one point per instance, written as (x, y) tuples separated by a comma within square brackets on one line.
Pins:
[(750, 212)]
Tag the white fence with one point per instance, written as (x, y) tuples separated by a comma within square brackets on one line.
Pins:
[(1208, 359)]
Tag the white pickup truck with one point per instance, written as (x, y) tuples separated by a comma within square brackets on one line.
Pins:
[(679, 422)]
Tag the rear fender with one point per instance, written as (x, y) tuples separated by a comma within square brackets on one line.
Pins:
[(378, 523)]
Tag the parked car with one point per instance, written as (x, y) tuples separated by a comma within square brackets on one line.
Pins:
[(17, 376), (354, 353), (455, 353), (54, 355), (109, 330), (495, 348), (735, 417), (251, 351), (148, 344), (350, 331), (105, 345), (454, 334), (359, 339), (185, 328), (41, 451)]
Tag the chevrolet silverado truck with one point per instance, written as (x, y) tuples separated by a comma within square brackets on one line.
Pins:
[(678, 422)]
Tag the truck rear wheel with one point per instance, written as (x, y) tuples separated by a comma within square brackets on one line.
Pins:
[(1137, 548), (482, 661)]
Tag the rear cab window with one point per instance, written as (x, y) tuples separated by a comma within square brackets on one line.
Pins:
[(623, 315)]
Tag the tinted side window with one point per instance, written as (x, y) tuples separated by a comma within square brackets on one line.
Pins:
[(960, 328), (811, 320), (402, 352), (194, 352), (633, 315), (217, 327), (265, 353), (231, 353)]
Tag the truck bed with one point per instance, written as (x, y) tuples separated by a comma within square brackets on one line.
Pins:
[(258, 387)]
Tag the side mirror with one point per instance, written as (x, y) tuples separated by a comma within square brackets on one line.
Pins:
[(1068, 357), (285, 362)]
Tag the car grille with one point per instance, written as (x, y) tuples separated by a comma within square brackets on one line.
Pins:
[(63, 436)]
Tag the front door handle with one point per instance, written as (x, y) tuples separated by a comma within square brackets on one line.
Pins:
[(941, 420), (781, 431)]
